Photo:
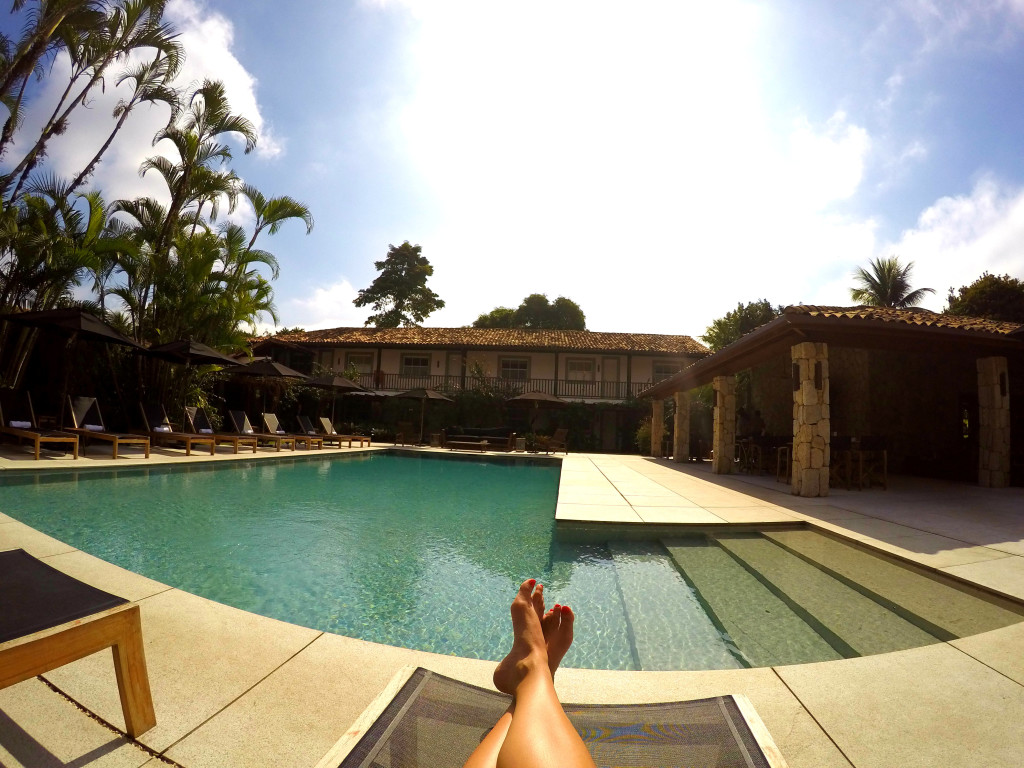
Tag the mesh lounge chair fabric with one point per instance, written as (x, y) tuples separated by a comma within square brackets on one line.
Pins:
[(436, 722)]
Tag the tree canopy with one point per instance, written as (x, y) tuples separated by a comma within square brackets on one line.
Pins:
[(538, 313), (745, 318), (886, 283), (399, 294), (992, 296)]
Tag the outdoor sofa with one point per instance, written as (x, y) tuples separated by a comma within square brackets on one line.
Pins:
[(479, 438)]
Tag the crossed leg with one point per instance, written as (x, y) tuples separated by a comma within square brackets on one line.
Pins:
[(534, 731)]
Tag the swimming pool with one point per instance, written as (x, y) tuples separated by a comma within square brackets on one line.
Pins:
[(425, 552)]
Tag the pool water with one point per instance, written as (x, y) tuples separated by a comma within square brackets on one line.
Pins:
[(426, 552)]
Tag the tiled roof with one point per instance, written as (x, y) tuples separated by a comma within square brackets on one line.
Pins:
[(913, 316), (497, 338)]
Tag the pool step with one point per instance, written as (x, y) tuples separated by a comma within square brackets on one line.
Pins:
[(944, 612), (670, 628), (852, 623), (764, 628)]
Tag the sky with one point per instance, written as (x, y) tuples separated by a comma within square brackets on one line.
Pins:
[(658, 162)]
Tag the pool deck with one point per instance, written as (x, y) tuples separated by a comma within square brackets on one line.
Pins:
[(236, 689)]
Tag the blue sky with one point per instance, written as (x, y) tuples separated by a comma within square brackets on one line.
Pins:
[(657, 162)]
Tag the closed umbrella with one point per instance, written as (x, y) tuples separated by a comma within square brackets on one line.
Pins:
[(336, 384)]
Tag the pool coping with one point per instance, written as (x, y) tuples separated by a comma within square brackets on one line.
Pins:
[(263, 715)]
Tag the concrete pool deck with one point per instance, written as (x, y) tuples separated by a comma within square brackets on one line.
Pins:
[(236, 689)]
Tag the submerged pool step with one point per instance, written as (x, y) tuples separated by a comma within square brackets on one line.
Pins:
[(946, 612), (670, 628), (764, 628), (843, 615)]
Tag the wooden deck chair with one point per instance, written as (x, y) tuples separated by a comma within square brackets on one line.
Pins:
[(50, 619), (160, 431), (273, 427), (307, 428), (328, 429), (423, 718), (242, 426), (87, 423), (558, 441), (18, 419), (198, 421)]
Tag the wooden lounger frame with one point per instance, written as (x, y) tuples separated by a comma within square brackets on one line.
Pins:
[(35, 435), (116, 439), (119, 629)]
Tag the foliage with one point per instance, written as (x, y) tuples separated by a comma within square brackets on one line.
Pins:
[(886, 283), (536, 312), (990, 296), (745, 318), (643, 437), (284, 330), (399, 294)]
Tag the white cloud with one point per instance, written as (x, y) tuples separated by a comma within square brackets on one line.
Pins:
[(958, 238), (327, 307)]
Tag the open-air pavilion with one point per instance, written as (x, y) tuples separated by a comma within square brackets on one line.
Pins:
[(936, 388)]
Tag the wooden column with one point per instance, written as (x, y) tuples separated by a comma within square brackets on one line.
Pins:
[(681, 439), (724, 435), (657, 427)]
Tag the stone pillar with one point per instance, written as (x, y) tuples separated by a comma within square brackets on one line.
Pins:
[(657, 427), (811, 419), (681, 439), (723, 441), (993, 423)]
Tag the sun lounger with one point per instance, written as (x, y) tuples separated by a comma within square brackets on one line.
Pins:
[(423, 718), (556, 442), (199, 422), (243, 427), (50, 619), (273, 426), (307, 427), (160, 431), (87, 423), (18, 419), (328, 429)]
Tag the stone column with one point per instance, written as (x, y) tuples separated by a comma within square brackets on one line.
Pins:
[(681, 439), (993, 423), (811, 419), (657, 427), (723, 441)]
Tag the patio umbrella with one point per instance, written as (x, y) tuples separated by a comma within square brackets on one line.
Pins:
[(336, 384), (422, 394), (268, 370), (73, 323), (188, 352), (537, 399)]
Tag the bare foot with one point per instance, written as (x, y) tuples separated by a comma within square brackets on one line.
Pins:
[(529, 651), (557, 626)]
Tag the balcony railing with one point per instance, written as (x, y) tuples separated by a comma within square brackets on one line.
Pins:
[(570, 390)]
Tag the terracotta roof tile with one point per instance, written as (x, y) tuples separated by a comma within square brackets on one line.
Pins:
[(497, 338), (915, 316)]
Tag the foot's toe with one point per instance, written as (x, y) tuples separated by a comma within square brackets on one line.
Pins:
[(538, 601)]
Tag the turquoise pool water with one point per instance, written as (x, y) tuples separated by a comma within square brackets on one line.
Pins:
[(426, 553)]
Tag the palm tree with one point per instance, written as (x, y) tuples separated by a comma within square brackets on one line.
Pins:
[(886, 283)]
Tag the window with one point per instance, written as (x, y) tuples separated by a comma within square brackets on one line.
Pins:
[(665, 369), (415, 365), (579, 370), (516, 368), (361, 361)]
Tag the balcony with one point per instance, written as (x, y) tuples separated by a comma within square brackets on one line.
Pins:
[(569, 390)]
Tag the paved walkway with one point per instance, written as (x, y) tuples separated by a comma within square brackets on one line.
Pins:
[(236, 689)]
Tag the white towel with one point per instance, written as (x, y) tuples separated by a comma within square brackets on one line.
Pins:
[(161, 428), (93, 427), (281, 432), (21, 424), (205, 431), (247, 431)]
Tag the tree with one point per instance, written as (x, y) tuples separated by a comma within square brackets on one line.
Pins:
[(886, 283), (742, 320), (537, 312), (991, 296), (399, 294)]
